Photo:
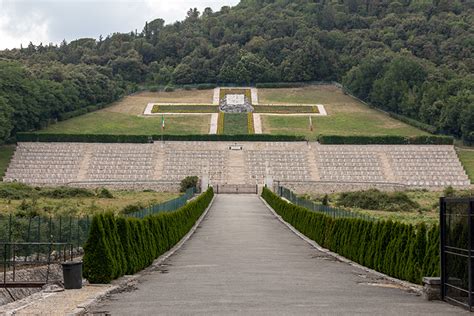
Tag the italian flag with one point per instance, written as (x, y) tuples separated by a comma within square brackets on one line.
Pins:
[(162, 122)]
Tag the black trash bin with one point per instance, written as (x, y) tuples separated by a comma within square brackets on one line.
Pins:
[(72, 273)]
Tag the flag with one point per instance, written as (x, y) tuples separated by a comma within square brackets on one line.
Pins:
[(163, 122)]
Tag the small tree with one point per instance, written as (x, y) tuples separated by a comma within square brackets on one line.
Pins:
[(189, 182)]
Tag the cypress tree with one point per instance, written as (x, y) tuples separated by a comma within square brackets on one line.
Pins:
[(98, 261)]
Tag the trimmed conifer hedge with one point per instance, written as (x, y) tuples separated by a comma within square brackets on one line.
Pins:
[(117, 245), (400, 250), (386, 140), (105, 138)]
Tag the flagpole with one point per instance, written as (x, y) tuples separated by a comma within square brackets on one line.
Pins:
[(162, 126)]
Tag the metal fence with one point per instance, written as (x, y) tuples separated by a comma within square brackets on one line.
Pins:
[(236, 189), (457, 242), (312, 206), (64, 229), (166, 206)]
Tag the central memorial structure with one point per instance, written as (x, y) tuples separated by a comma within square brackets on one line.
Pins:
[(235, 103)]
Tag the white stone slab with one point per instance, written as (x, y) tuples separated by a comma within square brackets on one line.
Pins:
[(235, 99), (214, 122), (257, 123)]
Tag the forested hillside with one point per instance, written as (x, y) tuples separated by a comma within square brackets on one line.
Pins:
[(411, 57)]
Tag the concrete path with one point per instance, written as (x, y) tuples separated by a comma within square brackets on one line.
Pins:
[(242, 260)]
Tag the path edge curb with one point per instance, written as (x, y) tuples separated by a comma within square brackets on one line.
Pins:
[(418, 289), (123, 282)]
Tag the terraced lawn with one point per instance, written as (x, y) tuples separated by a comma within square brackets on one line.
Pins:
[(103, 122), (135, 104), (347, 116), (467, 158), (6, 153)]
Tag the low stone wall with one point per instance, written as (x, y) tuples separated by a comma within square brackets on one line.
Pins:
[(134, 186)]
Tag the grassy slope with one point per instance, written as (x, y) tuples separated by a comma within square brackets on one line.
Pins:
[(102, 122), (346, 115), (135, 104), (235, 124), (89, 205), (6, 153), (467, 159)]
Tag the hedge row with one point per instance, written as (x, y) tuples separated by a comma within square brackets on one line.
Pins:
[(104, 138), (117, 245), (399, 250), (425, 127), (276, 85), (81, 138), (386, 140)]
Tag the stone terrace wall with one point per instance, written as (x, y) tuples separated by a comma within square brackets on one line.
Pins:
[(161, 166)]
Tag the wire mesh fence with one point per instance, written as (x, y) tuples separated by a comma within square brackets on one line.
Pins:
[(315, 207), (166, 206)]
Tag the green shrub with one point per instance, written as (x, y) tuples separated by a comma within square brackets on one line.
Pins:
[(118, 245), (188, 182), (105, 194), (374, 199), (169, 89), (98, 262), (399, 250), (206, 86), (386, 140), (274, 85), (66, 192), (15, 191), (105, 138)]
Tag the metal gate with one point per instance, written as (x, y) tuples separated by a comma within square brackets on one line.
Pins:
[(457, 275), (236, 189)]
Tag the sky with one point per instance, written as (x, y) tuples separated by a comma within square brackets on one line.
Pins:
[(51, 21)]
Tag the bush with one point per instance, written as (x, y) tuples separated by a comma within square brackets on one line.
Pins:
[(275, 85), (376, 200), (399, 250), (206, 86), (169, 89), (66, 192), (15, 191), (386, 140), (132, 208), (189, 182), (105, 194), (118, 246)]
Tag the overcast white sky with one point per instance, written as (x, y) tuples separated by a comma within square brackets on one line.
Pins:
[(51, 21)]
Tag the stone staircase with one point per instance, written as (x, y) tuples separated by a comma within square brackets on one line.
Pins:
[(236, 167)]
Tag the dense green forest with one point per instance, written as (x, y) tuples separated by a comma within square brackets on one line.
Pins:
[(411, 57)]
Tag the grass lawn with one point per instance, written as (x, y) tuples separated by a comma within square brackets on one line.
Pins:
[(427, 213), (467, 158), (185, 109), (6, 153), (102, 122), (135, 104), (80, 206), (283, 109), (235, 123), (346, 116)]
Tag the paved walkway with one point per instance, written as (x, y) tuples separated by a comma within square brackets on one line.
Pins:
[(242, 260)]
